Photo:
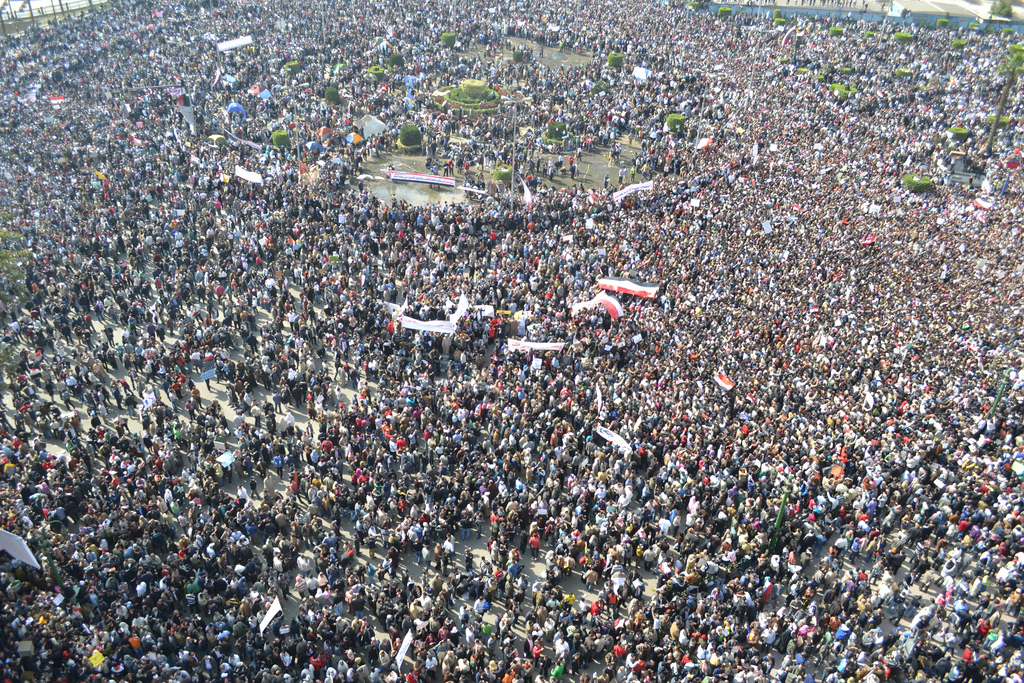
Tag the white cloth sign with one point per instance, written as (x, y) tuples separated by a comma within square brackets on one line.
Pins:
[(436, 326), (232, 44), (251, 176), (17, 548), (275, 609)]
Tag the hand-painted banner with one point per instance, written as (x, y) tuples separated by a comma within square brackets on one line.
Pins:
[(425, 178), (646, 290), (523, 345), (460, 310), (638, 187), (613, 438), (274, 610), (435, 326)]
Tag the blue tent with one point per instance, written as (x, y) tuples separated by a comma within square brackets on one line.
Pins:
[(265, 95), (314, 145), (410, 82), (236, 108)]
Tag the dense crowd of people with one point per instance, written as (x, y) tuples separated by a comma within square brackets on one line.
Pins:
[(792, 453)]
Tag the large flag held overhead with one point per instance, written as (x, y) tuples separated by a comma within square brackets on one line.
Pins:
[(610, 303), (647, 290)]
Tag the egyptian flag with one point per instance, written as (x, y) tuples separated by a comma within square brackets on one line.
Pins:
[(646, 290), (611, 304), (723, 381), (869, 240), (184, 100), (1013, 161), (591, 198)]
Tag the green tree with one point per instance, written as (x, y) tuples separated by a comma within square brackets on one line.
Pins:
[(448, 39), (1002, 8), (396, 61), (331, 95), (1010, 68)]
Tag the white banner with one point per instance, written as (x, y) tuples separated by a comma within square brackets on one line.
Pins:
[(17, 548), (460, 311), (626, 191), (232, 44), (436, 326), (275, 609), (248, 175), (404, 648), (523, 345), (613, 438)]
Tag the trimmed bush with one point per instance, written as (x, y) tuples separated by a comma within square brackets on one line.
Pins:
[(396, 61), (1008, 31), (958, 44), (517, 56), (902, 37), (845, 70), (725, 11), (474, 88), (902, 73), (783, 60), (676, 123), (959, 133), (331, 96), (293, 68), (555, 131), (941, 22), (615, 60), (448, 39), (1015, 48), (779, 21), (376, 71), (803, 70), (503, 173), (601, 86), (1003, 121), (410, 135), (870, 34), (777, 14), (695, 6), (974, 25), (280, 138), (836, 31), (916, 183)]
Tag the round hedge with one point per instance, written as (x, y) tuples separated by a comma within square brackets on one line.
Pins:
[(941, 22), (779, 21), (836, 31), (917, 183), (376, 71), (280, 138), (725, 11), (902, 73), (777, 14), (1015, 48), (601, 86), (676, 123), (869, 34), (1003, 121), (959, 133), (615, 60), (410, 136), (448, 39), (517, 56), (556, 130), (331, 96), (958, 44), (293, 67), (474, 88), (902, 37), (396, 61), (1008, 31), (503, 173)]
